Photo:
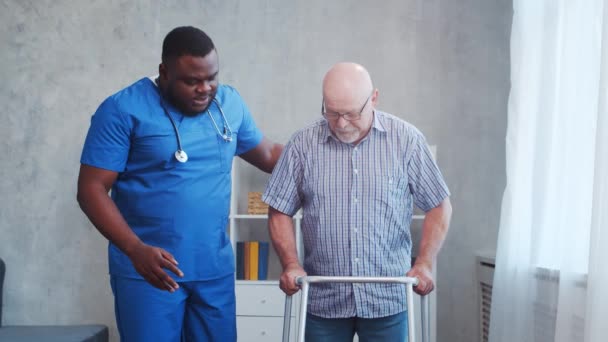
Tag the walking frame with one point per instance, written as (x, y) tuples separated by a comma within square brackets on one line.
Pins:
[(304, 283)]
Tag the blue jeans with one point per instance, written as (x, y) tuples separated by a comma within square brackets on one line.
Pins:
[(197, 311), (384, 329)]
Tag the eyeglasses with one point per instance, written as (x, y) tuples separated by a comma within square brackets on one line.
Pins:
[(329, 115)]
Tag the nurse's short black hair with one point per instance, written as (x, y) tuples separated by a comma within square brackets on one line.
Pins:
[(186, 41)]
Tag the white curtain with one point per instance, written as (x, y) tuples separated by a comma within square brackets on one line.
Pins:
[(551, 276)]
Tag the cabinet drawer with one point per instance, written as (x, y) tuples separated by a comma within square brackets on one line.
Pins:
[(262, 300), (261, 329)]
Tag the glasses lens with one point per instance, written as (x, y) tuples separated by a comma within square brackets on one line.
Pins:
[(331, 115), (351, 116)]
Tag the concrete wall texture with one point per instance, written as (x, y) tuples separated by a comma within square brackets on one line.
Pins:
[(442, 65)]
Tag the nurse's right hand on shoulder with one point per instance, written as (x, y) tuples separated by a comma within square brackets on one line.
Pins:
[(150, 262)]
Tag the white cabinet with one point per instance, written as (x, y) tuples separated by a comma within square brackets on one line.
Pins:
[(262, 329), (260, 312)]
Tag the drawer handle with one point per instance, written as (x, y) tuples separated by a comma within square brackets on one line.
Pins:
[(263, 301)]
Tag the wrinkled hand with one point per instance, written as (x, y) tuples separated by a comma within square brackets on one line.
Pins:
[(150, 263), (425, 278), (288, 279)]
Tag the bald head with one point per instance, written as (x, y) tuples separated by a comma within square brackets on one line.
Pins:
[(346, 83), (349, 99)]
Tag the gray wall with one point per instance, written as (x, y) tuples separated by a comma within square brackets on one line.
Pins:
[(441, 64)]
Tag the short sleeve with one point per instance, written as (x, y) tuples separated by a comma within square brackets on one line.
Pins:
[(108, 140), (425, 180), (249, 136), (282, 190)]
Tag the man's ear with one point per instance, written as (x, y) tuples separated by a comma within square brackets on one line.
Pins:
[(375, 97), (162, 72)]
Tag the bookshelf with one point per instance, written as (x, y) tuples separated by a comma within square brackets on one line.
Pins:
[(260, 304)]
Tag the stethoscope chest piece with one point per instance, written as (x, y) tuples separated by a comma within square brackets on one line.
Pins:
[(181, 156)]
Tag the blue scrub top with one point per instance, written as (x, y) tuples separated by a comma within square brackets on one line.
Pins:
[(180, 207)]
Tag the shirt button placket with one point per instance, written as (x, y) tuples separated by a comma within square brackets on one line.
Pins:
[(355, 212), (354, 208)]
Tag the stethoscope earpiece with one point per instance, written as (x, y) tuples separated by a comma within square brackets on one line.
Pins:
[(180, 154)]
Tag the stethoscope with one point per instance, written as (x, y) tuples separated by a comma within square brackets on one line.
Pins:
[(180, 154)]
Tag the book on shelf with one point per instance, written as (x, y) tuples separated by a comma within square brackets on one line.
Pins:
[(240, 250), (263, 260), (246, 264), (252, 260)]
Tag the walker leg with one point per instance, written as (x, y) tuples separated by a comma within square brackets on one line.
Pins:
[(303, 309), (287, 319), (425, 318), (411, 326)]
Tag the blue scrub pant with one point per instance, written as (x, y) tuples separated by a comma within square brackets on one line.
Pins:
[(385, 329), (197, 311)]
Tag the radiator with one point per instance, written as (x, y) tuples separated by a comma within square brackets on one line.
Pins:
[(485, 276), (544, 307)]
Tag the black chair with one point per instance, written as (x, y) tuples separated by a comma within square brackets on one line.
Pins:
[(49, 333)]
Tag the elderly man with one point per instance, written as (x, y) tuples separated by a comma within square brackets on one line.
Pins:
[(357, 173)]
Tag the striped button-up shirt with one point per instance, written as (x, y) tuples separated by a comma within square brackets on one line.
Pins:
[(357, 203)]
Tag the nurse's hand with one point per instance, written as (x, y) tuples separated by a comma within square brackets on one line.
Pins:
[(151, 263), (288, 278)]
